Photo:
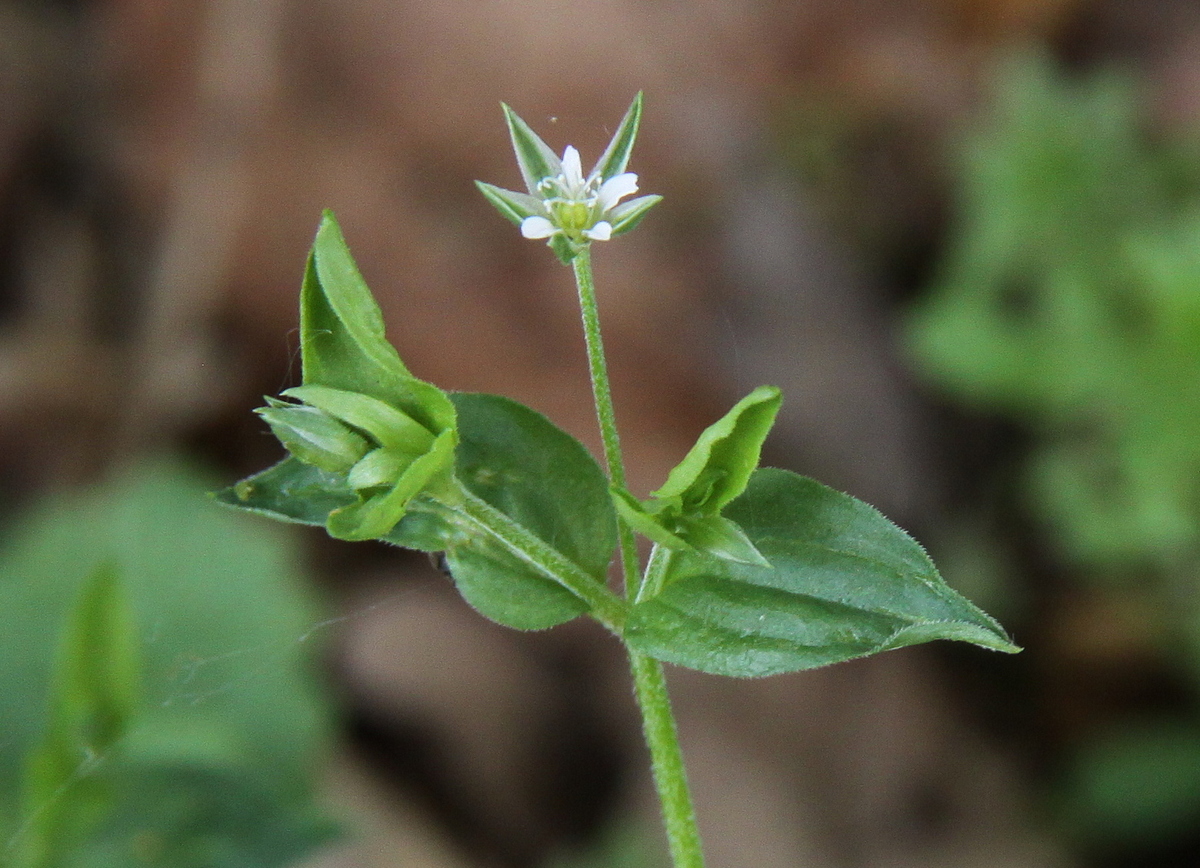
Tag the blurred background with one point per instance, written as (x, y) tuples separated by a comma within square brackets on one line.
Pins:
[(962, 235)]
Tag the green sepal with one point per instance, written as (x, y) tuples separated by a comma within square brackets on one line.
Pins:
[(563, 248), (536, 159), (718, 467), (629, 214), (616, 156), (391, 428), (314, 436), (514, 206), (844, 582), (95, 693)]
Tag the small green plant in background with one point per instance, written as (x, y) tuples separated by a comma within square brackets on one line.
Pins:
[(157, 710), (1069, 302), (94, 694), (751, 571)]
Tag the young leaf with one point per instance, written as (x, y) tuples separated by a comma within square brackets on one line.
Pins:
[(844, 582), (534, 156), (616, 156), (374, 517), (341, 327), (718, 467), (313, 435), (342, 341), (94, 696), (520, 463), (391, 428), (634, 514), (722, 538)]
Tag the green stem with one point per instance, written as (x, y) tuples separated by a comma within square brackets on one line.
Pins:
[(605, 606), (650, 685), (604, 409), (666, 761)]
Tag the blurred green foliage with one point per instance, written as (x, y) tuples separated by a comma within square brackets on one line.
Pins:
[(164, 711), (1068, 301)]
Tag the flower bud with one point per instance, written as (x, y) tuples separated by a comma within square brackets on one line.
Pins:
[(313, 436)]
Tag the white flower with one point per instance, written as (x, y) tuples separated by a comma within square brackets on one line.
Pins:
[(563, 205), (577, 206)]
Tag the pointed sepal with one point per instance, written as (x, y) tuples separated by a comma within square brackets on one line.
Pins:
[(514, 206), (535, 158), (616, 156)]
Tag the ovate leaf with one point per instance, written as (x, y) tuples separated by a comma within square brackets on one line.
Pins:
[(545, 480), (718, 467), (844, 582), (291, 491), (341, 326)]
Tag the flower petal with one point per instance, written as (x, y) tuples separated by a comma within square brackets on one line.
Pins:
[(572, 169), (602, 231), (615, 189), (537, 227)]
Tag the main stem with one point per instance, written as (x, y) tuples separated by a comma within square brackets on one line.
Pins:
[(650, 684), (602, 394)]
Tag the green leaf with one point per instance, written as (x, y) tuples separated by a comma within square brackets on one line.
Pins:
[(375, 517), (616, 156), (718, 467), (94, 696), (314, 436), (722, 538), (392, 429), (514, 206), (341, 326), (844, 582), (634, 514), (516, 460), (342, 339), (536, 159), (229, 638), (290, 491)]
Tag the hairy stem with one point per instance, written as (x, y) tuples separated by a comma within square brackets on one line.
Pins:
[(650, 685), (605, 606), (666, 761), (604, 409)]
